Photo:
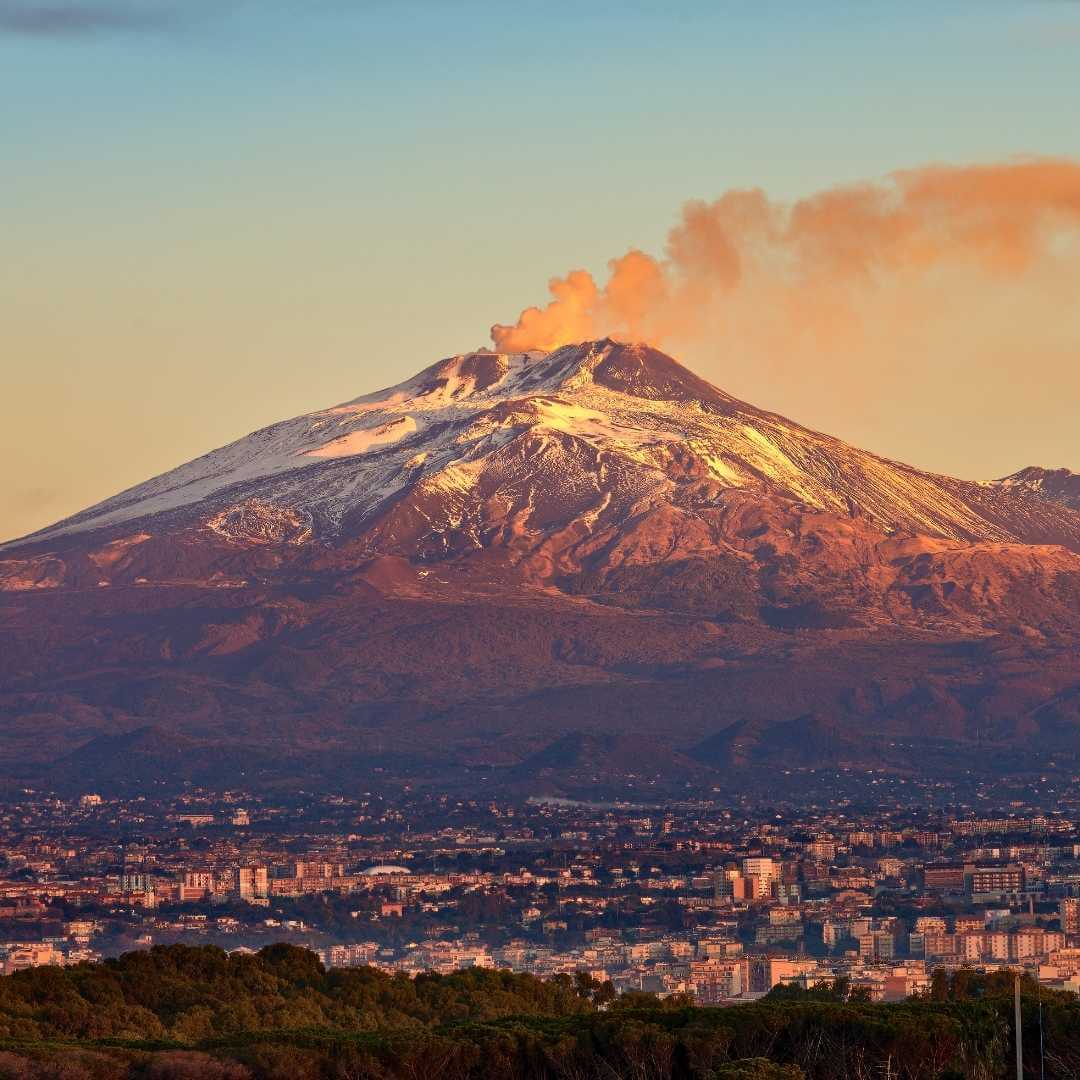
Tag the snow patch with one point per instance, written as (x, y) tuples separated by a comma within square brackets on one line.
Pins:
[(359, 442)]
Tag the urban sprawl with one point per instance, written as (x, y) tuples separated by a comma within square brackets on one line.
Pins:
[(721, 902)]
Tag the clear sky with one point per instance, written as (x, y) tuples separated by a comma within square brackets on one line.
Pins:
[(217, 214)]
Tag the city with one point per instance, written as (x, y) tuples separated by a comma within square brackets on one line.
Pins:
[(718, 904)]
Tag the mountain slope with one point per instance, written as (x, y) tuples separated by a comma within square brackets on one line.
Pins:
[(522, 562), (615, 420), (1054, 485)]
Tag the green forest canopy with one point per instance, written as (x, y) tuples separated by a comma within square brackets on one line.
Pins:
[(183, 1012)]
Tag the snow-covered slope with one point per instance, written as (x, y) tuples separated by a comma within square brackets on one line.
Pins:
[(1054, 485), (589, 431)]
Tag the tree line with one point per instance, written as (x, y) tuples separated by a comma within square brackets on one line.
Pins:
[(185, 1013)]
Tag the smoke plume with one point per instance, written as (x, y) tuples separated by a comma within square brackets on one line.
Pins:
[(814, 270)]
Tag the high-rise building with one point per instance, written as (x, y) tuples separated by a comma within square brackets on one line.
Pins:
[(822, 850), (138, 888), (931, 924), (1069, 910), (944, 877), (716, 980), (877, 945), (135, 882), (762, 873), (997, 879), (195, 885), (761, 867), (252, 882)]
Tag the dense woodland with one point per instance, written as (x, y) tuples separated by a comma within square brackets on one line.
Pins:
[(180, 1013)]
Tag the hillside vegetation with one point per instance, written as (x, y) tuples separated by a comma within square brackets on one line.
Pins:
[(181, 1012)]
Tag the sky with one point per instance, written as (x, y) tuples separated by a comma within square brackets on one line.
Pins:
[(215, 214)]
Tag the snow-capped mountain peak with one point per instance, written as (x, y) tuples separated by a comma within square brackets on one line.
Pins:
[(594, 432), (421, 423)]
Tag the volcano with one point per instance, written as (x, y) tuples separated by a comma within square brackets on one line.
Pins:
[(580, 570)]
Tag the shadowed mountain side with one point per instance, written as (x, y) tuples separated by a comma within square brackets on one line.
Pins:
[(550, 696)]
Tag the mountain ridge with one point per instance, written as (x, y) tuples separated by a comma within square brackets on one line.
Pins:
[(1054, 485)]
